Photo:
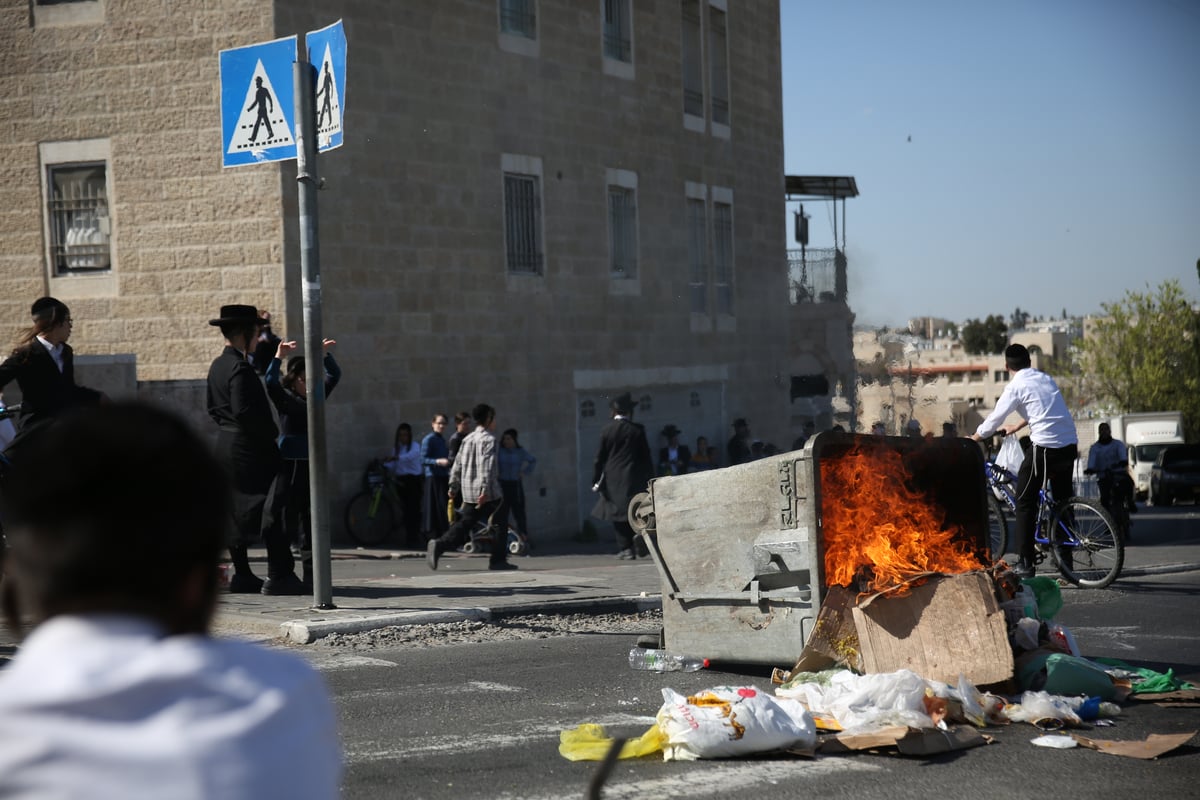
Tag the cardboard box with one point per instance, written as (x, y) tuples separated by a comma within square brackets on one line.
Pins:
[(948, 625)]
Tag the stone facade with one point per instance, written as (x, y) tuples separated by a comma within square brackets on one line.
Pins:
[(428, 318)]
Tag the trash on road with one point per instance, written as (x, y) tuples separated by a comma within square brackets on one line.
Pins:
[(653, 660), (1153, 746)]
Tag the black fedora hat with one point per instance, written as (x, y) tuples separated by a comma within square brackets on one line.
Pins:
[(237, 313)]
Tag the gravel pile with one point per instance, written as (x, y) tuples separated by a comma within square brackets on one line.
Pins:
[(537, 626)]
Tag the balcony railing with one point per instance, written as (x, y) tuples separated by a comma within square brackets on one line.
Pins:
[(817, 277)]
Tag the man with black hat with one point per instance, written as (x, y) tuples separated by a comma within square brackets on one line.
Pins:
[(43, 365), (739, 445), (1036, 398), (246, 433), (675, 458), (623, 469)]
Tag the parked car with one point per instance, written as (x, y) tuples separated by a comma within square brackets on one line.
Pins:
[(1175, 474)]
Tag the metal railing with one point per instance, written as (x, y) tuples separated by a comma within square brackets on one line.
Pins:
[(817, 277)]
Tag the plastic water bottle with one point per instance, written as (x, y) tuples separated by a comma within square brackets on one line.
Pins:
[(661, 661)]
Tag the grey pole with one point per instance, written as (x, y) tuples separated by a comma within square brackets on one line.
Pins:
[(314, 356)]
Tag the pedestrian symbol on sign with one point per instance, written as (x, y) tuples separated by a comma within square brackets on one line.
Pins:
[(329, 117), (261, 110)]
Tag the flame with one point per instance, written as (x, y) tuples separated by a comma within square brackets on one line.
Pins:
[(874, 525)]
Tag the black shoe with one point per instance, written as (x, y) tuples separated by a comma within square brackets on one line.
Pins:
[(245, 583), (287, 585), (501, 566), (431, 554), (626, 555)]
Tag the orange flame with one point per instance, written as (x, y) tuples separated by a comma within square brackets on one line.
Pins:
[(875, 525)]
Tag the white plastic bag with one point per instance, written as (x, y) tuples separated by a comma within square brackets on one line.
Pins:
[(1011, 456), (868, 702), (731, 721)]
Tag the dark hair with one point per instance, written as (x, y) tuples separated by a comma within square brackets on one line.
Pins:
[(622, 404), (483, 414), (461, 417), (513, 433), (295, 368), (47, 313), (133, 521), (1016, 357), (403, 426), (231, 330)]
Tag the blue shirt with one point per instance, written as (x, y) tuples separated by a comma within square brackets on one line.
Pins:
[(514, 462), (433, 447)]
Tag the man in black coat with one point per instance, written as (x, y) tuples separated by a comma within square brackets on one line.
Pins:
[(246, 434), (43, 365), (623, 469)]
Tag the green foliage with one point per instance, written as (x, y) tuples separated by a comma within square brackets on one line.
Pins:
[(1144, 355), (988, 336)]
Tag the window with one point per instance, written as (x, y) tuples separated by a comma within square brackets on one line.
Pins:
[(77, 213), (62, 13), (694, 400), (622, 232), (522, 223), (693, 61), (719, 66), (645, 403), (587, 409), (697, 250), (519, 18), (618, 30), (723, 255), (1000, 375)]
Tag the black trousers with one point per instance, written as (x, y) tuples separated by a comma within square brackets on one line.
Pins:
[(288, 520), (469, 515), (409, 489), (1042, 464), (514, 501)]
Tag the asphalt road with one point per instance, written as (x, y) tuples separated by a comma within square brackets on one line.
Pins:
[(483, 720)]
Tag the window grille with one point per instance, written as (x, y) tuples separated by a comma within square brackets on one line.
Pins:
[(697, 248), (522, 224), (618, 26), (587, 409), (519, 17), (694, 400), (720, 68), (79, 223), (693, 65), (645, 404), (622, 232), (723, 256)]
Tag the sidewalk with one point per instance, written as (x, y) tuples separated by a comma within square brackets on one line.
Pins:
[(380, 587)]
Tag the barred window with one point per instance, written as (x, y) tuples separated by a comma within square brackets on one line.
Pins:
[(522, 223), (693, 63), (618, 30), (718, 60), (697, 264), (519, 17), (79, 224), (645, 403), (587, 409), (723, 256), (622, 232)]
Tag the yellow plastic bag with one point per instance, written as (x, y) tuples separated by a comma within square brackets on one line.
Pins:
[(589, 742)]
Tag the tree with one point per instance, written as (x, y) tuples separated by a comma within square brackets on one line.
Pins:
[(1143, 356), (988, 336), (1018, 319)]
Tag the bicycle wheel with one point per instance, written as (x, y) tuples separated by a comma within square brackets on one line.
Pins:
[(1085, 544), (997, 529), (370, 518)]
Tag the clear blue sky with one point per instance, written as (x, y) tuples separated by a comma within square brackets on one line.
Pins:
[(1055, 153)]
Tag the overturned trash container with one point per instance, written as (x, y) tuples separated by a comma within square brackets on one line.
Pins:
[(740, 550)]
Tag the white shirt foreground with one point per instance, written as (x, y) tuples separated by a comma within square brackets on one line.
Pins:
[(103, 706)]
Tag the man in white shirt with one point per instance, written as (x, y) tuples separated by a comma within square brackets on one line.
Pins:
[(115, 525), (1108, 459), (1036, 398)]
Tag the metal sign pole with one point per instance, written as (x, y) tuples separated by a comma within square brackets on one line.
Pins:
[(314, 356)]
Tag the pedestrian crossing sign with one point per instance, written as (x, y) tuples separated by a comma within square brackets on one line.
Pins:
[(258, 103), (327, 54)]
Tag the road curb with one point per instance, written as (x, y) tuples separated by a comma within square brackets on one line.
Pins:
[(306, 631), (1159, 569)]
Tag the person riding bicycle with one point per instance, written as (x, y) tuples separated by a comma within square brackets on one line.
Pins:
[(1108, 460), (1036, 398)]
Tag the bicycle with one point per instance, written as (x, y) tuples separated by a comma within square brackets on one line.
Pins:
[(1080, 535), (374, 514)]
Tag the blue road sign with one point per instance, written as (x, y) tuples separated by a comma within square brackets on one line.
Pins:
[(258, 103), (327, 53)]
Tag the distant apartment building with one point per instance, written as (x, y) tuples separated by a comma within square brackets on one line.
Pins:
[(539, 204)]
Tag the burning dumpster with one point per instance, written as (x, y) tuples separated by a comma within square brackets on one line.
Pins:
[(748, 554)]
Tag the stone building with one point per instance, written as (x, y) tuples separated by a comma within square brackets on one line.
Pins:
[(539, 204)]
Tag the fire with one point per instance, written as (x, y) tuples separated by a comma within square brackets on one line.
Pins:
[(876, 526)]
